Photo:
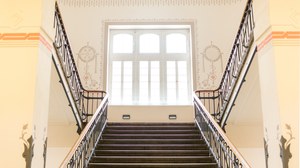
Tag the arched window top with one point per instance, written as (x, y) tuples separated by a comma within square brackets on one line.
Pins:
[(176, 43), (149, 43), (122, 43)]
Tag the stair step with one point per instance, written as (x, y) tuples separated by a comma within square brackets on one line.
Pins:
[(153, 165), (152, 159), (115, 131), (125, 124), (147, 136), (151, 141), (151, 146), (150, 127), (151, 152)]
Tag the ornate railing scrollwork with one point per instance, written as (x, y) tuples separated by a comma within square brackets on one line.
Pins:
[(217, 101), (83, 102), (226, 155)]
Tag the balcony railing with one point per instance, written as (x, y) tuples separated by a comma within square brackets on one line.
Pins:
[(218, 101), (83, 102)]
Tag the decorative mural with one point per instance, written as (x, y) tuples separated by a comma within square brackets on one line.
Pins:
[(212, 67), (28, 146), (285, 145), (87, 63), (114, 3)]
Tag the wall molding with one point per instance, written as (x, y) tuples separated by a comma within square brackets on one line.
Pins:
[(149, 3), (32, 39), (281, 38)]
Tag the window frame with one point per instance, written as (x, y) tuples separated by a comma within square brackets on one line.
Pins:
[(162, 57)]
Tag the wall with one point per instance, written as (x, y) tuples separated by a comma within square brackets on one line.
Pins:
[(210, 21), (19, 39), (245, 124), (151, 113), (61, 123), (278, 43)]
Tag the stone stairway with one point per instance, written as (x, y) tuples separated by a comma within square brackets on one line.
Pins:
[(151, 145)]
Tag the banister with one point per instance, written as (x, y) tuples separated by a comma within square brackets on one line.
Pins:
[(82, 101), (219, 102), (224, 152), (82, 150)]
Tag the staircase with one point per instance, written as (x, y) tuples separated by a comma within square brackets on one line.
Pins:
[(155, 145)]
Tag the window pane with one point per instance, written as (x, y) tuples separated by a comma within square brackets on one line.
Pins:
[(127, 81), (116, 81), (149, 43), (171, 81), (155, 82), (182, 82), (176, 43), (122, 43), (143, 82)]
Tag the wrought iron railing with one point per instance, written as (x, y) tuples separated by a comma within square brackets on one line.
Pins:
[(226, 155), (83, 102), (82, 151), (217, 101)]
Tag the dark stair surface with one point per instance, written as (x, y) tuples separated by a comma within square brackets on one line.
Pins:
[(152, 145)]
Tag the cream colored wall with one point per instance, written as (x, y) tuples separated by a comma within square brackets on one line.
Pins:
[(279, 50), (209, 23), (62, 129), (245, 123), (287, 79), (18, 71)]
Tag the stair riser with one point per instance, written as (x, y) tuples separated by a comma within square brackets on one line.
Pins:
[(152, 160), (153, 166), (145, 147), (150, 128), (155, 141), (151, 131), (148, 136), (150, 153)]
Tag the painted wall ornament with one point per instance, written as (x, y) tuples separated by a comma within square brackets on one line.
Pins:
[(212, 64), (87, 66), (28, 146), (266, 140), (285, 146)]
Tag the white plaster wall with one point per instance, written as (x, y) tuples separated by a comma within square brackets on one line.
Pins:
[(215, 24)]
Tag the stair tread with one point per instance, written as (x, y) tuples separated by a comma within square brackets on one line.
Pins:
[(153, 163), (164, 157), (196, 145)]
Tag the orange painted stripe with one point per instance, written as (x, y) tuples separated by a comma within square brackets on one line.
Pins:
[(279, 35), (20, 36), (25, 37)]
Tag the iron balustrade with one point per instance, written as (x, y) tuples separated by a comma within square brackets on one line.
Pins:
[(85, 101), (224, 152), (217, 100), (85, 146)]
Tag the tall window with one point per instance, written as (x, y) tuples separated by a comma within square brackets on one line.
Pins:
[(149, 67)]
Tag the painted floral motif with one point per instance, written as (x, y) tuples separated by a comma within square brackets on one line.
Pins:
[(28, 146), (285, 146)]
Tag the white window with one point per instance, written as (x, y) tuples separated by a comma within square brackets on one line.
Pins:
[(149, 67)]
